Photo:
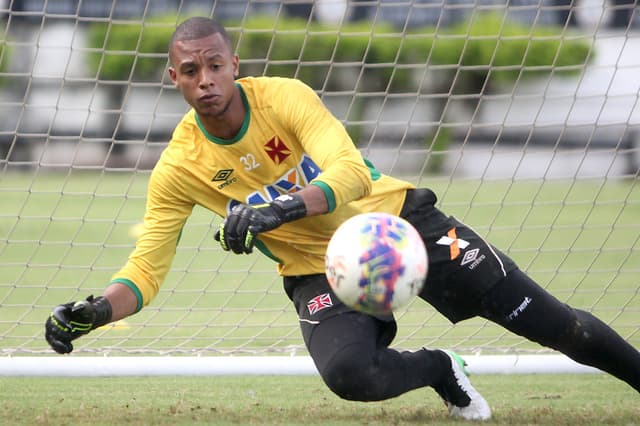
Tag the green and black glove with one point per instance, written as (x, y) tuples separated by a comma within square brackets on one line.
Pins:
[(238, 231), (71, 320)]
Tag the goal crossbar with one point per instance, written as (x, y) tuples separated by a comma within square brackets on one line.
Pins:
[(88, 366)]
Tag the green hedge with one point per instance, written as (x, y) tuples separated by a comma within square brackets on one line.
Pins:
[(312, 52), (130, 50)]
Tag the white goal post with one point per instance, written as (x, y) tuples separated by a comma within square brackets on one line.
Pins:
[(523, 116), (119, 366)]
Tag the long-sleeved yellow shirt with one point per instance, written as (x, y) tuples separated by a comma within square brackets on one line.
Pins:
[(288, 140)]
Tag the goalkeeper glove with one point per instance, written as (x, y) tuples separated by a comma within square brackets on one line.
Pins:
[(71, 320), (238, 231)]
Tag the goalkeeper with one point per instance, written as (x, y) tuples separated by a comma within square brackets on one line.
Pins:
[(267, 155)]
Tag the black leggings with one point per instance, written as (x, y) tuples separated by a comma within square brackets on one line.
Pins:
[(521, 306), (356, 366), (350, 349)]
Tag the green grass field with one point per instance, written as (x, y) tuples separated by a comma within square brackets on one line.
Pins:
[(62, 236), (591, 399)]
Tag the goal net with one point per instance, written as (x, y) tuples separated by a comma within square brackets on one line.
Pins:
[(522, 116)]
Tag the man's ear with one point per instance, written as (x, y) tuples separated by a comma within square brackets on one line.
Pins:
[(236, 65), (173, 75)]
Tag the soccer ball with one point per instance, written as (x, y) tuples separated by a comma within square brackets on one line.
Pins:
[(376, 263)]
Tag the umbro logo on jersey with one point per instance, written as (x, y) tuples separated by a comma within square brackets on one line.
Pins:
[(455, 244), (277, 150), (224, 176)]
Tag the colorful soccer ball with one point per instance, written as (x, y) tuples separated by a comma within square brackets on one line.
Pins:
[(376, 263)]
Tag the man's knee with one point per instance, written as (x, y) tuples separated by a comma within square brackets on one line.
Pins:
[(574, 331), (580, 330), (352, 375)]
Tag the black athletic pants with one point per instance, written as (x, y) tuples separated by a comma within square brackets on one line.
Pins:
[(467, 277)]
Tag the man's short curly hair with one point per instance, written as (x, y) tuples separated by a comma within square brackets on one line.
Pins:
[(196, 28)]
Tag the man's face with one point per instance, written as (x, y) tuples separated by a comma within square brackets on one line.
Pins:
[(204, 70)]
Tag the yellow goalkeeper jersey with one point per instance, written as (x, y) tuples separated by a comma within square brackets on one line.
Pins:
[(288, 140)]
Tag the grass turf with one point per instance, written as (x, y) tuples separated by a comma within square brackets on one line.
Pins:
[(590, 399)]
